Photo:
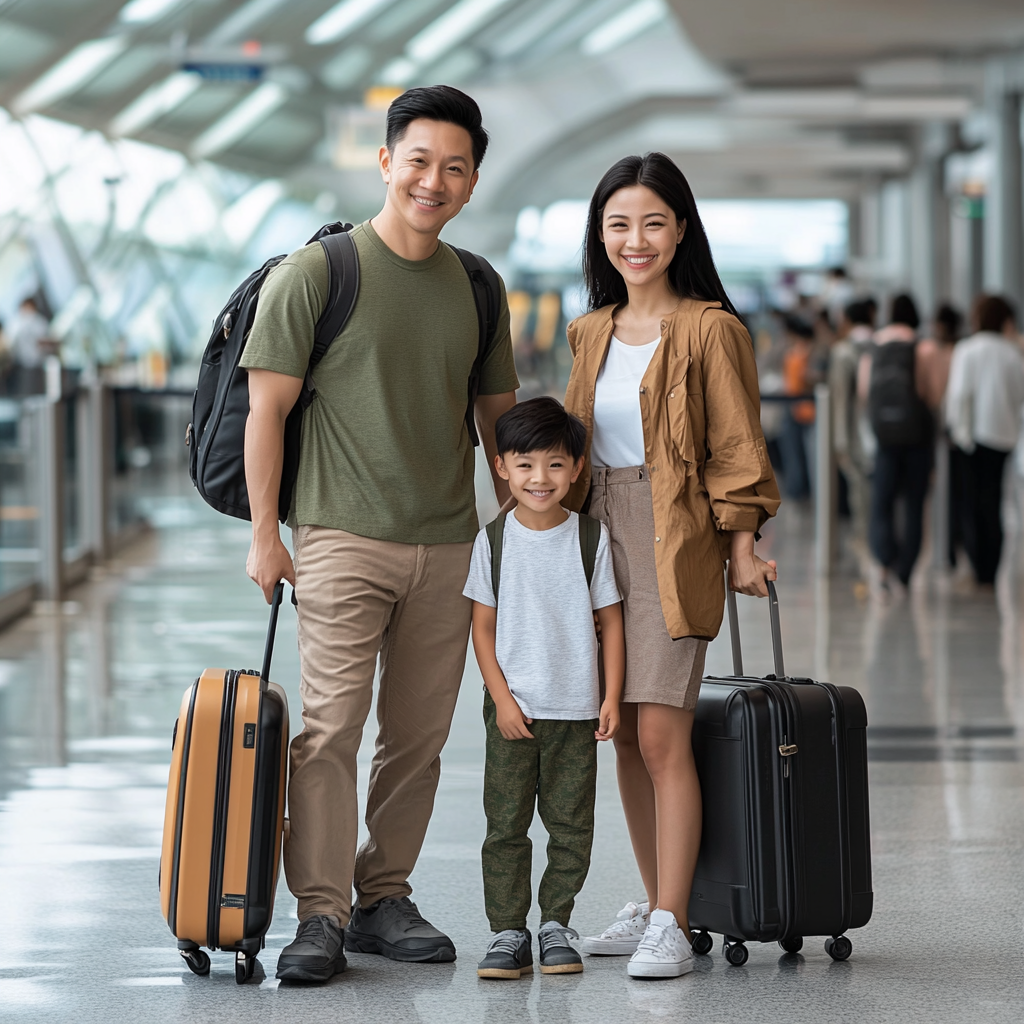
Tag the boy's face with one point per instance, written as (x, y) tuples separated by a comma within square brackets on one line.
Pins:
[(538, 480)]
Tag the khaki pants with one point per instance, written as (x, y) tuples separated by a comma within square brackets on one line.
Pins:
[(358, 597)]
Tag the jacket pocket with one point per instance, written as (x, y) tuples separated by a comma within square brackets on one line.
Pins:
[(684, 411)]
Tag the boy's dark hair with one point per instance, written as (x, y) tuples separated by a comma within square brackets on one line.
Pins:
[(437, 103), (992, 311), (540, 425)]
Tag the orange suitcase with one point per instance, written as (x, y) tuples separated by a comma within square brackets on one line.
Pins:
[(224, 818)]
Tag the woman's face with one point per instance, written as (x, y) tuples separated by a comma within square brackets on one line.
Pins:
[(640, 234)]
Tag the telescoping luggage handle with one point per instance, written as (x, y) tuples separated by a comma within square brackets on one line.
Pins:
[(734, 630), (268, 651)]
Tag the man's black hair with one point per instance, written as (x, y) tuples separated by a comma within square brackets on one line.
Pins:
[(800, 327), (437, 103), (540, 425), (861, 312)]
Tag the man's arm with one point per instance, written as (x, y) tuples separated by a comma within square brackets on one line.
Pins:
[(271, 397), (488, 408)]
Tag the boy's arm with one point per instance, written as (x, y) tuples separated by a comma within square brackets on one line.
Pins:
[(512, 722), (613, 655)]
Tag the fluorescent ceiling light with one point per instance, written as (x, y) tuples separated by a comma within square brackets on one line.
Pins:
[(342, 19), (156, 101), (400, 71), (242, 21), (450, 29), (623, 27), (237, 122), (81, 64), (145, 12), (241, 219)]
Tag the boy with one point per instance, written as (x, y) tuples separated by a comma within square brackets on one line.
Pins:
[(533, 632)]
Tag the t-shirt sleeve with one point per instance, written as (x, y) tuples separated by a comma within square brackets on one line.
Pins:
[(498, 371), (478, 586), (290, 304), (603, 589)]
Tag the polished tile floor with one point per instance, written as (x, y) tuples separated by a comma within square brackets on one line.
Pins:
[(88, 696)]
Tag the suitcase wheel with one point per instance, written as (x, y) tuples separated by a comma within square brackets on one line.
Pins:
[(244, 966), (839, 947), (702, 943), (793, 944), (197, 961), (736, 953)]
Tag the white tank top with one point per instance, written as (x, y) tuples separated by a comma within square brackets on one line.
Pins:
[(618, 429)]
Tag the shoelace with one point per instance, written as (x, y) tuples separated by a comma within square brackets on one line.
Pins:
[(312, 929), (556, 935), (624, 920), (411, 912), (652, 938), (506, 942)]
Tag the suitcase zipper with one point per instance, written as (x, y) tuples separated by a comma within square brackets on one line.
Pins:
[(220, 808), (179, 814)]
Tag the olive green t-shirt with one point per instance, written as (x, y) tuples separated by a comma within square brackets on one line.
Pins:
[(385, 452)]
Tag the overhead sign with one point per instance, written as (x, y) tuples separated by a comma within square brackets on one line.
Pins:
[(225, 71)]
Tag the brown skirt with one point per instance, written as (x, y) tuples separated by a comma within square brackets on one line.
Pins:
[(659, 670)]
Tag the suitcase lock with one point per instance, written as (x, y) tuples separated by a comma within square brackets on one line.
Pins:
[(786, 750)]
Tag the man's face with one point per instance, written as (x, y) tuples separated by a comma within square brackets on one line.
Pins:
[(538, 480), (430, 174)]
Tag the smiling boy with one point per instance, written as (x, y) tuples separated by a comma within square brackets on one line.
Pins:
[(384, 517), (538, 576)]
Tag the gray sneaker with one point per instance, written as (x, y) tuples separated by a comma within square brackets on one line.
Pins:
[(557, 956), (396, 929), (318, 952)]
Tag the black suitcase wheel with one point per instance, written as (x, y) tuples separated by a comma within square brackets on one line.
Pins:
[(198, 962), (702, 943), (793, 944), (244, 967), (839, 947), (736, 953)]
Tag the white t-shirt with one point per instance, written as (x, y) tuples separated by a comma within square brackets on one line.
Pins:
[(545, 642), (618, 430), (985, 392)]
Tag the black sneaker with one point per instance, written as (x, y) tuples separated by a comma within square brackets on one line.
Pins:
[(396, 929), (318, 952), (557, 956), (508, 956)]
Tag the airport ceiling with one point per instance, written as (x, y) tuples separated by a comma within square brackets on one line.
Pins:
[(754, 97)]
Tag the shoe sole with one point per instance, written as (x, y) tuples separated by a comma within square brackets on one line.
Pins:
[(561, 968), (358, 944), (659, 970), (599, 947), (318, 974), (507, 975)]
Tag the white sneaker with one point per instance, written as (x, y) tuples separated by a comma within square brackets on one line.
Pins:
[(663, 952), (622, 937)]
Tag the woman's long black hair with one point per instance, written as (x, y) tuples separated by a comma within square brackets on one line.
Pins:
[(691, 273)]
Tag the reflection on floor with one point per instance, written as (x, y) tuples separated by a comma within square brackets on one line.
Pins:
[(87, 698)]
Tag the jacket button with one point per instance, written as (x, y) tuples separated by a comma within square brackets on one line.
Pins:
[(653, 468), (657, 540), (671, 394)]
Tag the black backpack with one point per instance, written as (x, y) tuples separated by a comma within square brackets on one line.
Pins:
[(590, 537), (216, 435), (899, 416)]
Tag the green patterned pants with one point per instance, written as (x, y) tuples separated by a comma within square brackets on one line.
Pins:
[(557, 772)]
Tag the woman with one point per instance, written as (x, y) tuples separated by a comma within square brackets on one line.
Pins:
[(665, 381)]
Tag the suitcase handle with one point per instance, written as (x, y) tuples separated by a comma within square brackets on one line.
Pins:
[(268, 651), (734, 629)]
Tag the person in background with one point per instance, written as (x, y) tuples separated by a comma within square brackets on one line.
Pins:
[(836, 294), (856, 327), (803, 365), (983, 412), (892, 381), (30, 345)]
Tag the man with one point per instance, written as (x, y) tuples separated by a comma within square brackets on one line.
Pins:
[(983, 412), (384, 518), (30, 345)]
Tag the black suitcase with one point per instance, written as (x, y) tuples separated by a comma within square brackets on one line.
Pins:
[(785, 851)]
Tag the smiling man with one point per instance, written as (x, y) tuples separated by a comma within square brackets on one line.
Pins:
[(383, 520)]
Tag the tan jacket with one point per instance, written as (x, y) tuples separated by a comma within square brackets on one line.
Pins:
[(710, 473)]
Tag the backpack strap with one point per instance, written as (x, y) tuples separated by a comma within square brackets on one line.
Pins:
[(342, 291), (496, 538), (590, 537), (487, 296)]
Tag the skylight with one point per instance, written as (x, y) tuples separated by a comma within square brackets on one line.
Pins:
[(623, 27), (155, 102), (450, 29), (82, 63), (342, 19), (145, 12), (240, 120)]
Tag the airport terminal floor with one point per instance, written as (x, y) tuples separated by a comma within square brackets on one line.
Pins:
[(88, 696)]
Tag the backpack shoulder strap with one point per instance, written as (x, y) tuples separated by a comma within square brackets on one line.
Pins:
[(590, 537), (496, 537), (487, 296)]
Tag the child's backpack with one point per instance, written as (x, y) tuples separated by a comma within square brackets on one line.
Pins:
[(216, 435), (898, 414), (590, 536)]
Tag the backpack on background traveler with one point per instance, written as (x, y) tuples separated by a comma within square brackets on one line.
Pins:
[(897, 412), (216, 435)]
